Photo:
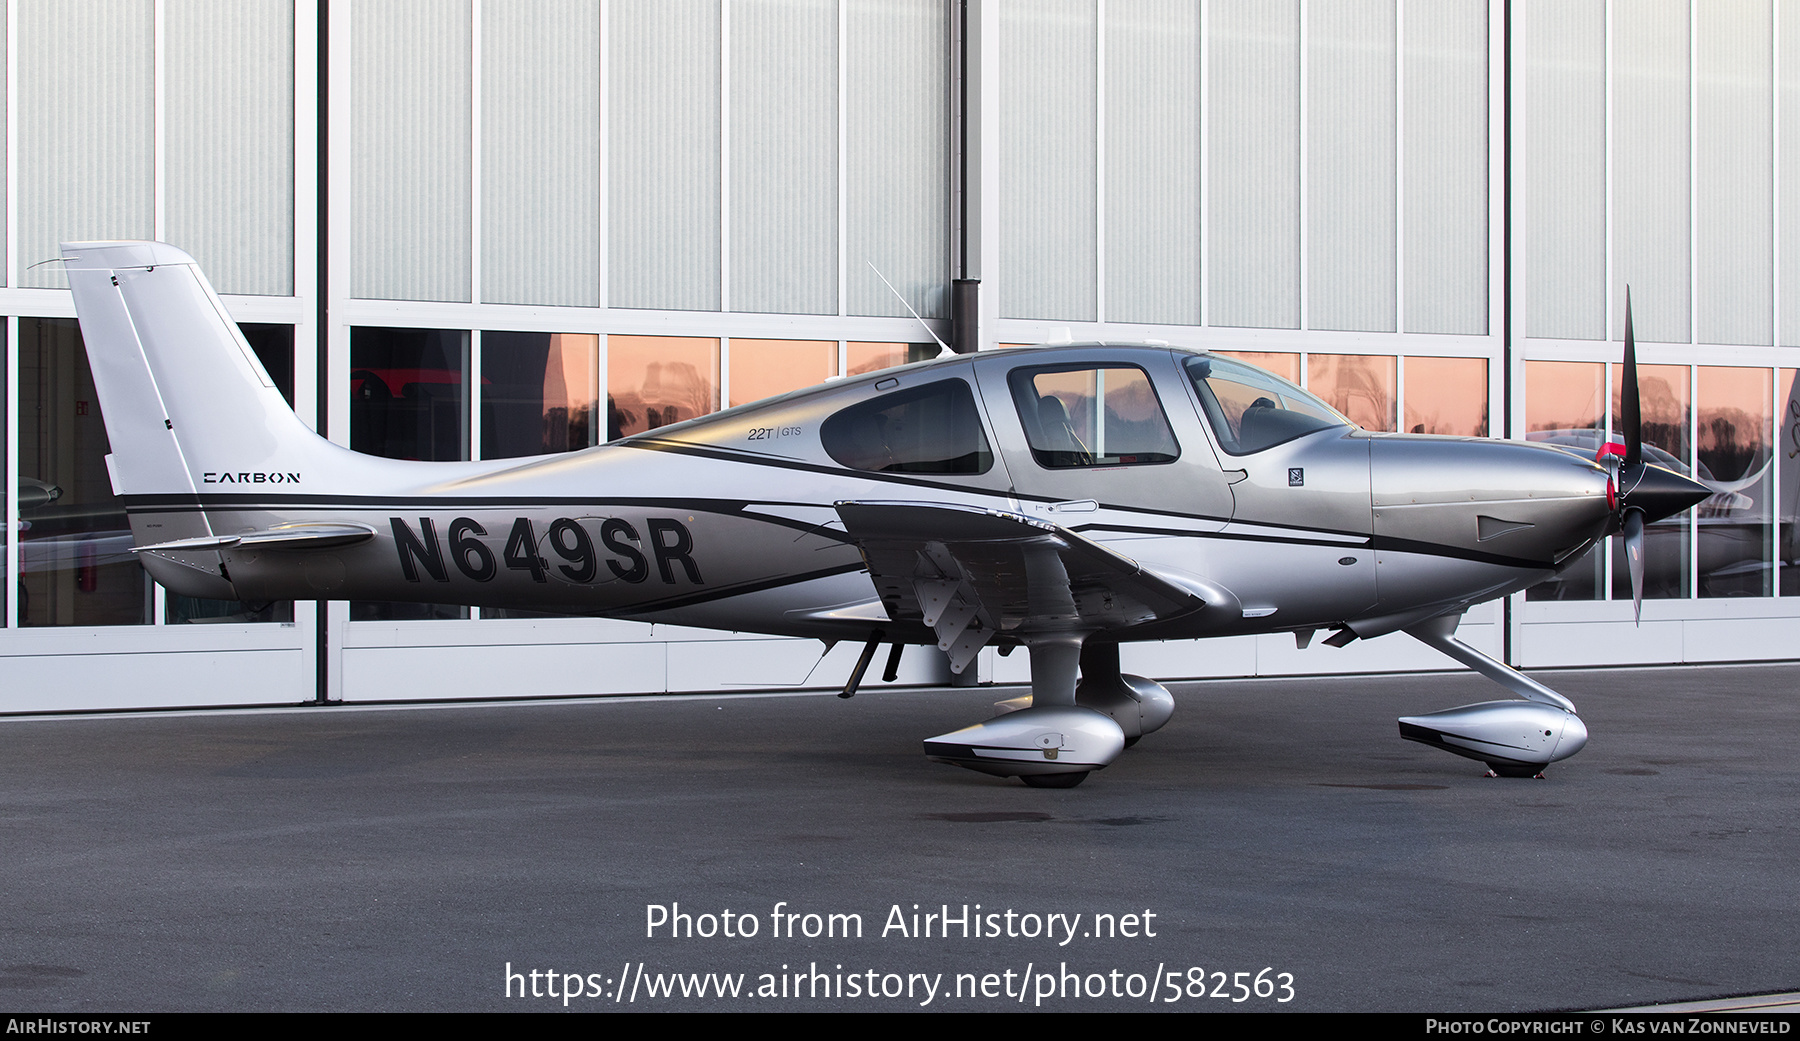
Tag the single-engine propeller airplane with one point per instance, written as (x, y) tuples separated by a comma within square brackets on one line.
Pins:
[(1063, 499)]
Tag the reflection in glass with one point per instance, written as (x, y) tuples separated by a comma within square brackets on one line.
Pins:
[(1287, 366), (932, 429), (871, 357), (409, 393), (652, 381), (1065, 428), (1787, 461), (1447, 396), (764, 368), (1733, 450), (1360, 386), (540, 393), (409, 399), (1562, 406), (1249, 410), (1665, 419), (75, 560)]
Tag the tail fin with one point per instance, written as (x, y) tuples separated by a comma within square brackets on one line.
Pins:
[(175, 376)]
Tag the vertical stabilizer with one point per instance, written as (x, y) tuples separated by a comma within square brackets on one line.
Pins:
[(173, 373)]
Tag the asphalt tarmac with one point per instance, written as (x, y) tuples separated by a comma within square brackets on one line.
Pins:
[(407, 858)]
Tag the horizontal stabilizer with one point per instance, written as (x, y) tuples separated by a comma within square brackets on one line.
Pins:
[(295, 537)]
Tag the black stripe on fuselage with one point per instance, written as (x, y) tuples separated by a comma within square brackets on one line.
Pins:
[(189, 503)]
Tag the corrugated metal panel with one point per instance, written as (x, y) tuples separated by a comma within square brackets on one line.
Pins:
[(897, 131), (86, 115), (1048, 146), (1788, 12), (540, 152), (1651, 214), (1153, 161), (229, 108), (784, 156), (410, 139), (1733, 283), (663, 167), (1560, 49), (1446, 157), (1350, 115), (1253, 164)]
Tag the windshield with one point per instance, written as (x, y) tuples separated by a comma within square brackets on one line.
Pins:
[(1251, 410)]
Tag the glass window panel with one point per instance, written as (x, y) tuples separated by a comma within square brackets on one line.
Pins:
[(1447, 396), (1663, 403), (540, 393), (409, 399), (274, 347), (75, 560), (764, 368), (1092, 417), (931, 429), (1562, 406), (1250, 411), (652, 381), (1287, 366), (1787, 462), (871, 357), (1361, 386), (1733, 445)]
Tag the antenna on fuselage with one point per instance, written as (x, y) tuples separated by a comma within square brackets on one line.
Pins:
[(944, 348)]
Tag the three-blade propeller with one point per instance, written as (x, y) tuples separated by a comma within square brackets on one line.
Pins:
[(1646, 492)]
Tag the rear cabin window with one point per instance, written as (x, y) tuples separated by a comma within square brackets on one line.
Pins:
[(933, 429), (1092, 417)]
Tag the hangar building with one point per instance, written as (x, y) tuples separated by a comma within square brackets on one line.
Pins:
[(463, 229)]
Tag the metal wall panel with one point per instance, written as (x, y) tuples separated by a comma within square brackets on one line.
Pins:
[(228, 85), (897, 132), (1732, 244), (1350, 116), (1253, 163), (1651, 213), (784, 156), (1559, 47), (410, 156), (1152, 208), (540, 152), (1446, 167), (1788, 164), (86, 110), (1048, 154), (663, 171)]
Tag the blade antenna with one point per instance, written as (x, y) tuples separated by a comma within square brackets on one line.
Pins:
[(909, 310), (1630, 410)]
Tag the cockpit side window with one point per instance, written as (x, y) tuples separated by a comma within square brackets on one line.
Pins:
[(932, 429), (1092, 416), (1251, 410)]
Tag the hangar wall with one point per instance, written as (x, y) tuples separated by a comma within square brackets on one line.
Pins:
[(486, 228)]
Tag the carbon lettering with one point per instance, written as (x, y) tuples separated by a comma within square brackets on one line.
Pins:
[(669, 551), (411, 548), (613, 535)]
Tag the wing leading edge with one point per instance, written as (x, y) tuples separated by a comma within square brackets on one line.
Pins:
[(971, 574)]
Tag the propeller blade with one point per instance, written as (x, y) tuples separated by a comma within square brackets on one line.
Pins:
[(1634, 559), (1630, 408)]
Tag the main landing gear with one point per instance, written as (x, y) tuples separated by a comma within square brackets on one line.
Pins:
[(1063, 730)]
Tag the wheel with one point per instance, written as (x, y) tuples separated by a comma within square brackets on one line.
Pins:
[(1133, 740), (1054, 780)]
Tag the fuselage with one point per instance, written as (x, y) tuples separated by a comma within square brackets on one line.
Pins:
[(1283, 517)]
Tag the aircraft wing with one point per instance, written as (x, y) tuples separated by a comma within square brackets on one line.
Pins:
[(971, 574)]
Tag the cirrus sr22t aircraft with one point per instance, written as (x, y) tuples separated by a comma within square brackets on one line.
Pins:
[(1064, 499)]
